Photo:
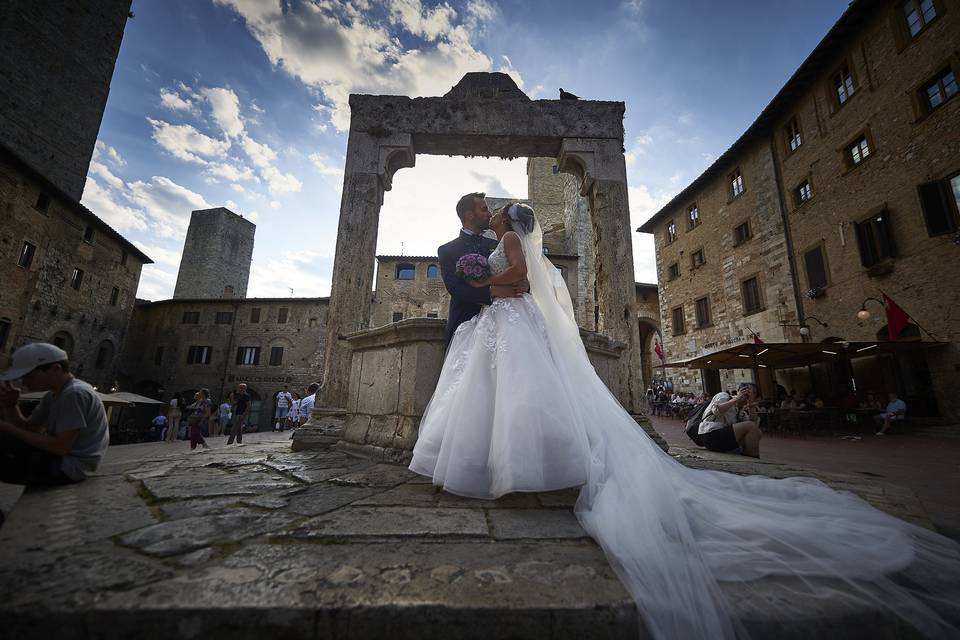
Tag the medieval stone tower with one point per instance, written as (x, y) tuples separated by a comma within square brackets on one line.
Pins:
[(216, 255), (58, 59)]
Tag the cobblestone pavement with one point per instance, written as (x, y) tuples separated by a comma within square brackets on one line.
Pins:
[(253, 540), (929, 466)]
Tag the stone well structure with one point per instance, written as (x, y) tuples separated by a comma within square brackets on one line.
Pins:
[(484, 115)]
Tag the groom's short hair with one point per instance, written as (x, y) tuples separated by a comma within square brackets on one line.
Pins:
[(466, 203)]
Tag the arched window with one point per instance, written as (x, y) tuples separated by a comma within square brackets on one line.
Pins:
[(406, 271), (63, 340), (433, 272)]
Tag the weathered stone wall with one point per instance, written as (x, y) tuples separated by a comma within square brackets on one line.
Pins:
[(417, 298), (576, 210), (160, 325), (906, 150), (726, 266), (216, 255), (57, 62), (545, 193), (38, 303)]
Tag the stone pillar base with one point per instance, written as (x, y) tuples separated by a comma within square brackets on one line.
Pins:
[(322, 430), (644, 423)]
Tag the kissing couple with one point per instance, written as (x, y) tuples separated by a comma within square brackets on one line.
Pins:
[(519, 407)]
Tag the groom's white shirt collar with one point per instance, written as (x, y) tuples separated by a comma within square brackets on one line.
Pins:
[(468, 232)]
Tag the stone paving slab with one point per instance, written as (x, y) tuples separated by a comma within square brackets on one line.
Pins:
[(257, 541)]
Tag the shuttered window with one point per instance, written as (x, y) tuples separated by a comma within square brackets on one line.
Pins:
[(816, 268), (875, 240)]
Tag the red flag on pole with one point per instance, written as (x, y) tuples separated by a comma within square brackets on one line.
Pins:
[(756, 339), (657, 349), (897, 318)]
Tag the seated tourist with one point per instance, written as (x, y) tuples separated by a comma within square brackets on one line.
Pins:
[(66, 435), (731, 423), (896, 410)]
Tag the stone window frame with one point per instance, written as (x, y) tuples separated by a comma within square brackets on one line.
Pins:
[(190, 317), (42, 203), (64, 340), (676, 319), (833, 90), (940, 193), (275, 361), (28, 251), (797, 192), (761, 305), (433, 314), (694, 262), (283, 315), (693, 217), (901, 25), (223, 317), (248, 356), (747, 238), (394, 316), (76, 278), (123, 258), (89, 233), (673, 274), (435, 269), (846, 151), (255, 315), (878, 255), (672, 231), (736, 184), (820, 245), (100, 362), (114, 296), (792, 131), (697, 311), (199, 354), (6, 324), (919, 98), (405, 266)]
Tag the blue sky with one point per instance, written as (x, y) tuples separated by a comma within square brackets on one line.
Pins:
[(242, 103)]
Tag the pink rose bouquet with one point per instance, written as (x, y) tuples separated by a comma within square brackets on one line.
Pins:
[(473, 266)]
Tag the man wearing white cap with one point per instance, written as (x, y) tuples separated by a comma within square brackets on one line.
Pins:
[(65, 436)]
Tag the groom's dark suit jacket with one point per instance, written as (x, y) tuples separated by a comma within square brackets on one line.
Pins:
[(465, 301)]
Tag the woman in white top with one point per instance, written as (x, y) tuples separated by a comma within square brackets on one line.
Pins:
[(732, 423), (293, 417)]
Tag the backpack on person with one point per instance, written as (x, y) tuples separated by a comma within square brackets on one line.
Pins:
[(693, 423)]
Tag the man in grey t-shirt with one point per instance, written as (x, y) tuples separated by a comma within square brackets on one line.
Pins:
[(66, 435)]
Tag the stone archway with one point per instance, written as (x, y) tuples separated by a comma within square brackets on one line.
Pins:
[(649, 331), (485, 114)]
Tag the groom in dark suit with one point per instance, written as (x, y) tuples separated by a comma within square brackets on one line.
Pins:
[(466, 301)]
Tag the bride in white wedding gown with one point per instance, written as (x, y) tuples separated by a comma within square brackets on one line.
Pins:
[(518, 407)]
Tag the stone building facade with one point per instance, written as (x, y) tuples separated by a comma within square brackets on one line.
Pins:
[(68, 278), (216, 255), (408, 287), (850, 191), (181, 345), (58, 59)]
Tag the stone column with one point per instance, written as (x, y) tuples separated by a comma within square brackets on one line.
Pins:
[(370, 165), (600, 165)]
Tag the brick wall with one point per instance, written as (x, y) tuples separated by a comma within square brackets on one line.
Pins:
[(58, 59), (38, 303)]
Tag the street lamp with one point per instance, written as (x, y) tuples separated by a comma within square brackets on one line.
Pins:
[(804, 328), (863, 314)]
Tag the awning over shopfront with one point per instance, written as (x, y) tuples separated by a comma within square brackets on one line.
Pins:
[(787, 355)]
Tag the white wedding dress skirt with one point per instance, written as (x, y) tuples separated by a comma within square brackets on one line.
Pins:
[(498, 421), (518, 407)]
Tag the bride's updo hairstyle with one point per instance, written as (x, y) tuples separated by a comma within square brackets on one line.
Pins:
[(521, 217)]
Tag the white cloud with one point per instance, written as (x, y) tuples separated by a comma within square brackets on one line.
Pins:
[(260, 154), (225, 107), (339, 49), (274, 204), (230, 172), (297, 270), (238, 188), (101, 202), (278, 182), (183, 141), (168, 205), (103, 172), (105, 152), (419, 212), (159, 254), (156, 283), (324, 168), (643, 204), (174, 101)]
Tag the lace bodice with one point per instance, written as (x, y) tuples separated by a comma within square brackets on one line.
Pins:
[(498, 260)]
